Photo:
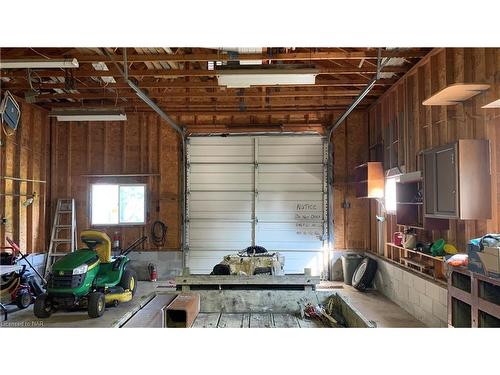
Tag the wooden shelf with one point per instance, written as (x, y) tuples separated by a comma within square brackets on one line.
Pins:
[(416, 261), (411, 226), (456, 93), (441, 259), (369, 180)]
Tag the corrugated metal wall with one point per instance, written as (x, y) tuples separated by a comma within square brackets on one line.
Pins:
[(257, 190)]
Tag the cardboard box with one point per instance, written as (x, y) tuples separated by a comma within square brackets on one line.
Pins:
[(486, 261), (182, 311), (490, 257)]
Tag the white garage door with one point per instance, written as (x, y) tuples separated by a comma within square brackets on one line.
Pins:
[(257, 190)]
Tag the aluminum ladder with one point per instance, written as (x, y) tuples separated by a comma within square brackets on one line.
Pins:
[(64, 224)]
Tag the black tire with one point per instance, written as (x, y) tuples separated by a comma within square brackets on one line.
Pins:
[(129, 281), (23, 299), (263, 271), (251, 250), (221, 269), (96, 304), (42, 308), (364, 274)]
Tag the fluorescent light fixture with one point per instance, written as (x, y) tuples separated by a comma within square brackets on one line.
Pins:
[(89, 115), (39, 63), (243, 78), (493, 104)]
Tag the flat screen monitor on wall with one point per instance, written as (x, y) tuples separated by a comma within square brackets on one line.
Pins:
[(9, 111)]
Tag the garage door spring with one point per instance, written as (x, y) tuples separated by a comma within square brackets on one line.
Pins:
[(159, 233)]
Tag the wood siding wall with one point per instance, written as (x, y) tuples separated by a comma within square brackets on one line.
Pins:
[(350, 149), (143, 144), (25, 155), (425, 126)]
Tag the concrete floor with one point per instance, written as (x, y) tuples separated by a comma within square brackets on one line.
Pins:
[(80, 319), (371, 304)]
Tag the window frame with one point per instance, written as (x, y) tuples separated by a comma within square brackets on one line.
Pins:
[(120, 224)]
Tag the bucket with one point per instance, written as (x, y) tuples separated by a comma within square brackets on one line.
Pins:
[(350, 262)]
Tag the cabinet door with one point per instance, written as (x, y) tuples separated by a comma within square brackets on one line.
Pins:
[(446, 203), (429, 182)]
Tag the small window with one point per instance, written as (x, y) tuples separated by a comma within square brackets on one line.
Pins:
[(118, 204), (390, 194)]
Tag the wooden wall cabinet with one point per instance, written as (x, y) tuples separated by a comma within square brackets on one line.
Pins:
[(409, 206), (369, 180), (457, 180)]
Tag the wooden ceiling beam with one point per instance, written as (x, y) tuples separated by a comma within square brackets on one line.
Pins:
[(80, 73), (184, 85), (290, 56), (292, 105), (272, 112), (217, 94)]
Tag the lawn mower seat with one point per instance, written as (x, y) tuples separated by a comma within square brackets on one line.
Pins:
[(98, 241)]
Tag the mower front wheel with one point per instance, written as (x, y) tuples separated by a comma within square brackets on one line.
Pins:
[(96, 304), (42, 308), (129, 281), (23, 299)]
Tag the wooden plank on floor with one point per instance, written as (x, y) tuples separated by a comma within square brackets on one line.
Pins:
[(207, 320), (260, 320), (145, 319), (285, 321), (292, 279), (233, 320)]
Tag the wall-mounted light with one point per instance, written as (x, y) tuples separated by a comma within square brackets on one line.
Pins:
[(30, 198)]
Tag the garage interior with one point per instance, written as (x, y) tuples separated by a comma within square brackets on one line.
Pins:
[(371, 176)]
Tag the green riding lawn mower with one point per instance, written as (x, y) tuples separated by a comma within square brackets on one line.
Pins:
[(89, 278)]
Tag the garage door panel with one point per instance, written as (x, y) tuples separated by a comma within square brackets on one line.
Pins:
[(290, 168), (289, 196), (290, 178), (222, 187), (293, 232), (228, 246), (220, 206), (289, 206), (222, 178), (225, 213), (289, 217), (220, 196), (222, 216), (291, 140), (221, 168), (223, 234), (290, 187), (220, 141)]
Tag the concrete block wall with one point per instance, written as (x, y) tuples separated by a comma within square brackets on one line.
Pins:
[(168, 263), (424, 299)]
